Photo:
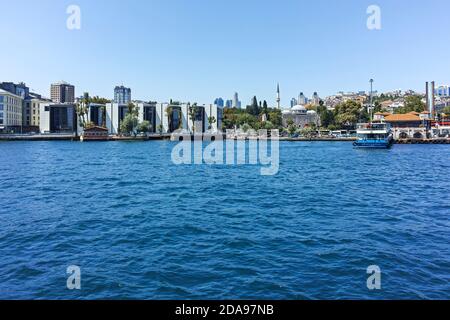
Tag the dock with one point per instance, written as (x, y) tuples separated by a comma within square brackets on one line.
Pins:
[(424, 141)]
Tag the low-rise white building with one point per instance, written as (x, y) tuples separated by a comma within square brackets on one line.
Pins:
[(10, 111), (166, 118)]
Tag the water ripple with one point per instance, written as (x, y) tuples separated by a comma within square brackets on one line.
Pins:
[(142, 228)]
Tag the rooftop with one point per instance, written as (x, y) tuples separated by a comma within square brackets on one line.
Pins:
[(9, 93), (61, 83), (409, 117)]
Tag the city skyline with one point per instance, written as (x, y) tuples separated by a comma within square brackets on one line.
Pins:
[(336, 51)]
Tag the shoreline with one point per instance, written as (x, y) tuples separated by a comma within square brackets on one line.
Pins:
[(162, 137)]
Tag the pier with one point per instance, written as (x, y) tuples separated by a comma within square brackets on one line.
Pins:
[(424, 141)]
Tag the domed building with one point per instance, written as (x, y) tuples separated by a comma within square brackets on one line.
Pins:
[(301, 116)]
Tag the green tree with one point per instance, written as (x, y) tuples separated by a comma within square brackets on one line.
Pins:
[(268, 125), (347, 114), (265, 109), (326, 116), (246, 127), (308, 132), (130, 122), (447, 110), (144, 127), (193, 110), (127, 125), (275, 116), (412, 104), (211, 121), (254, 108), (82, 108), (99, 100)]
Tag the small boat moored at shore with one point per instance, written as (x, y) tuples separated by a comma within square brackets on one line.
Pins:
[(374, 135)]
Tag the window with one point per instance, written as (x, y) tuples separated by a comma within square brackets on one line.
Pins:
[(1, 107), (1, 99)]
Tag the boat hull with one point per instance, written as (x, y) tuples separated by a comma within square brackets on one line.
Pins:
[(373, 144)]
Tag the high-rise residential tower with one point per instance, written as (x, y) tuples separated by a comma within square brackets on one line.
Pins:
[(122, 95), (62, 92), (302, 100), (293, 102), (219, 102), (236, 102), (315, 99)]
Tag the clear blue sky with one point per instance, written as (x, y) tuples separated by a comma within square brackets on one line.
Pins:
[(196, 50)]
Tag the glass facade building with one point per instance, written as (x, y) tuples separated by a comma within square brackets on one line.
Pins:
[(122, 95)]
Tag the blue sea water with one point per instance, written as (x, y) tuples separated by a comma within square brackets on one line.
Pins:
[(140, 227)]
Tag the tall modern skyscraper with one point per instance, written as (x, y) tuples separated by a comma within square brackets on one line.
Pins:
[(62, 92), (293, 102), (236, 102), (219, 102), (315, 99), (442, 91), (278, 97), (302, 100), (122, 95)]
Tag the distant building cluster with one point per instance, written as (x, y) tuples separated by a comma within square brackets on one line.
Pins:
[(232, 103), (22, 111)]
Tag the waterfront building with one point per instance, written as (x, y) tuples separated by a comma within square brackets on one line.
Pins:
[(148, 112), (122, 95), (62, 92), (58, 118), (410, 125), (96, 114), (115, 113), (34, 111), (10, 112), (166, 117), (95, 133), (300, 116), (21, 90)]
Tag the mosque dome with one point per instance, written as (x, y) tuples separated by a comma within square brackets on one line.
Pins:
[(298, 108)]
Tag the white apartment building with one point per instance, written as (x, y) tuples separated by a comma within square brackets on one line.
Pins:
[(166, 118), (10, 111)]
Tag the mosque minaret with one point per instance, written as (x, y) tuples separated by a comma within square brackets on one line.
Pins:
[(278, 97)]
